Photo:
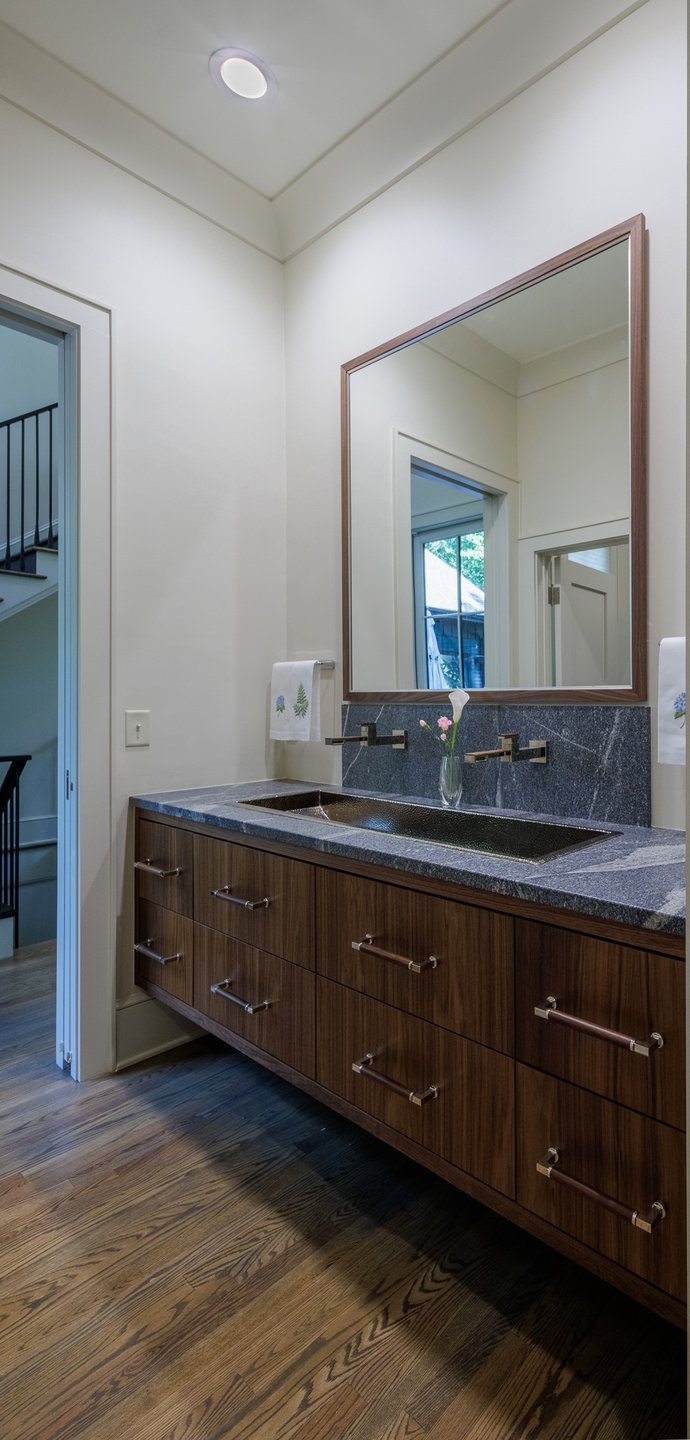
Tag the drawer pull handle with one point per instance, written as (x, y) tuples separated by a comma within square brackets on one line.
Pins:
[(416, 966), (642, 1220), (249, 1009), (144, 948), (549, 1011), (152, 869), (224, 894), (415, 1097)]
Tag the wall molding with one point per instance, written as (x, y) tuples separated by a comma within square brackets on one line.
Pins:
[(144, 1028)]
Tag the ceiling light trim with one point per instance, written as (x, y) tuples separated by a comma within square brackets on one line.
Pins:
[(218, 63)]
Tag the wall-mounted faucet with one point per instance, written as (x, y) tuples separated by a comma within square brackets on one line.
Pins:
[(367, 736), (537, 751)]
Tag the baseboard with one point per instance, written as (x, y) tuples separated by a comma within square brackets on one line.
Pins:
[(147, 1029), (6, 937)]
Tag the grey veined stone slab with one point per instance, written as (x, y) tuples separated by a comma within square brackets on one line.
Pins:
[(599, 764)]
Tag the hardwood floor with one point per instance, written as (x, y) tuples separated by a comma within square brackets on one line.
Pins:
[(193, 1250)]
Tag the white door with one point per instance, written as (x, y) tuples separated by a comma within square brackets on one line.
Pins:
[(590, 627)]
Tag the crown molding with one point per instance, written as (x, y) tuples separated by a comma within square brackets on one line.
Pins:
[(514, 48)]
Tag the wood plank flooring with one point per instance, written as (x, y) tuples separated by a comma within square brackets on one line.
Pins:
[(192, 1250)]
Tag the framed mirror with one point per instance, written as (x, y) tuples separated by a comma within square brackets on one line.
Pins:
[(494, 493)]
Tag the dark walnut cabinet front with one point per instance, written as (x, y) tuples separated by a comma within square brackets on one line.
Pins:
[(532, 1059)]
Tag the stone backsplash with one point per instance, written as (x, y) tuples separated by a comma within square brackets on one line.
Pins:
[(599, 764)]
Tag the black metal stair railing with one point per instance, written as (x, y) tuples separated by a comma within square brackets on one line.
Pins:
[(9, 838), (28, 476)]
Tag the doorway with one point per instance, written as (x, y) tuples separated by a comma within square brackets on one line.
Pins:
[(30, 410), (79, 332)]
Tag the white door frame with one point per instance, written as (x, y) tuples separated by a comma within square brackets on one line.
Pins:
[(85, 1011), (500, 498)]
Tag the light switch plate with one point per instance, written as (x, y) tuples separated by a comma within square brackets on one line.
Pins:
[(137, 727)]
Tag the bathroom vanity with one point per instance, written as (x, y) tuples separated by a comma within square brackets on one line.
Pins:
[(518, 1028)]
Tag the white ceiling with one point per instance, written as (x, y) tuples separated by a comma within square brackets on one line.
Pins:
[(337, 62), (573, 305)]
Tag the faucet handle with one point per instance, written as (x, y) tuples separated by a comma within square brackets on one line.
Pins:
[(510, 745)]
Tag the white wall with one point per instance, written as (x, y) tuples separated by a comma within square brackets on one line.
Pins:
[(28, 372), (28, 726), (198, 485), (573, 474), (592, 143)]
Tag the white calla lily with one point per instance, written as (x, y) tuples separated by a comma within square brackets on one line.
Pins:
[(458, 700)]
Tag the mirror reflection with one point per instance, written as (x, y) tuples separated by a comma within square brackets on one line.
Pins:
[(490, 495)]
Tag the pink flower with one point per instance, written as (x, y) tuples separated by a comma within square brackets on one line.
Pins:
[(444, 723)]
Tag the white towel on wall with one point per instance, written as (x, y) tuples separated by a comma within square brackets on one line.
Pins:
[(672, 701), (295, 700)]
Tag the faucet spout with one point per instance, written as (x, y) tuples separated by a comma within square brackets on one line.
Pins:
[(368, 736), (536, 751)]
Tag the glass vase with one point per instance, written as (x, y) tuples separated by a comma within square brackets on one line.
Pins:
[(450, 780)]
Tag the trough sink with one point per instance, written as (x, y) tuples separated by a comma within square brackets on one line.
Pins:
[(499, 835)]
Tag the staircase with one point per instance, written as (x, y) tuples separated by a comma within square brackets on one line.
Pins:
[(28, 509), (9, 852)]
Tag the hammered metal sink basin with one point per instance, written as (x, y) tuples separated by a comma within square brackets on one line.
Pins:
[(500, 835)]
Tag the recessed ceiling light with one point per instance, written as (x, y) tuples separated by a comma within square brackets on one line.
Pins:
[(242, 73)]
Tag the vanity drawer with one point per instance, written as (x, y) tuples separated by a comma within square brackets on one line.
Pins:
[(263, 900), (469, 988), (620, 1156), (163, 865), (163, 950), (470, 1119), (629, 992), (280, 996)]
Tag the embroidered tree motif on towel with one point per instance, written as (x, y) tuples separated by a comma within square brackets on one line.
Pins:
[(301, 704), (679, 709), (280, 704)]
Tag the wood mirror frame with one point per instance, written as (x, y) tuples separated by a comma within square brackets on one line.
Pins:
[(634, 231)]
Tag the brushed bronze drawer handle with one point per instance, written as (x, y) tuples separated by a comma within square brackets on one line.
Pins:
[(549, 1011), (224, 894), (416, 966), (642, 1220), (249, 1009), (415, 1097), (151, 869), (144, 948)]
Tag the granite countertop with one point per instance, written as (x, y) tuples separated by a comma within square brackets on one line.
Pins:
[(636, 878)]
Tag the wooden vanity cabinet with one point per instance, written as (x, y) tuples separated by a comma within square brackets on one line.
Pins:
[(605, 988), (267, 1001), (619, 1156), (163, 909), (411, 1008), (451, 1096), (163, 865), (439, 959), (259, 898), (164, 950)]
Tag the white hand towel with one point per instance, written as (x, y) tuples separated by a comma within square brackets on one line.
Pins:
[(672, 702), (295, 700)]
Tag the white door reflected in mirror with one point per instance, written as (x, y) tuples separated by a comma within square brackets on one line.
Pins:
[(589, 603)]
